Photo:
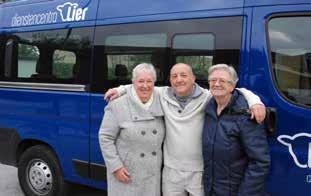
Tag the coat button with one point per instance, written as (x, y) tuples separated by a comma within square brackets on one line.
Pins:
[(179, 111), (143, 132), (135, 117), (142, 155), (154, 131), (154, 153)]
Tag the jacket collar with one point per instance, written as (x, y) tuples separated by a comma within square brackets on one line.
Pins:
[(211, 107)]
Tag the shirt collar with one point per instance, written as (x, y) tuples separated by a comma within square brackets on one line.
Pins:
[(196, 92)]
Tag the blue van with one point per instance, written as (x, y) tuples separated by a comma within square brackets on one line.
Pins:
[(58, 57)]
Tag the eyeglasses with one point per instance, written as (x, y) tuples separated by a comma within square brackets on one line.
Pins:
[(219, 80)]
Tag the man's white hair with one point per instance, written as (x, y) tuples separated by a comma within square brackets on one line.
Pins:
[(229, 69)]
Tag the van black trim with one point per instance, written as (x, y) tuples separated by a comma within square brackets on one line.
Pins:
[(98, 172), (94, 171), (44, 86), (9, 140)]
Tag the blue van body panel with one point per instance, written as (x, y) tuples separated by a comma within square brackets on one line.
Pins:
[(47, 27), (98, 105), (171, 16), (48, 13), (18, 3), (132, 8), (245, 50), (285, 178), (274, 2), (58, 119)]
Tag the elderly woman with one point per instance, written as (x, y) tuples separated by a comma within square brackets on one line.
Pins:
[(131, 136), (235, 149)]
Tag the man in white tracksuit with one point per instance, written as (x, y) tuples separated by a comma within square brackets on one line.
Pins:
[(183, 105)]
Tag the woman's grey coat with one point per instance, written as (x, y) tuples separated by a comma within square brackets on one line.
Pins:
[(132, 137)]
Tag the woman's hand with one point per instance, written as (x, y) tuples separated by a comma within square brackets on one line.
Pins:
[(122, 175)]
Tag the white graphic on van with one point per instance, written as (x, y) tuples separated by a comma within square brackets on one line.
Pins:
[(34, 19), (301, 142), (71, 12), (68, 12)]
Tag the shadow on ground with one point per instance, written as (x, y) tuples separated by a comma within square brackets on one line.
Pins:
[(79, 190)]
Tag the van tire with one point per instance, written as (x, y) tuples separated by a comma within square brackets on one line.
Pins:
[(39, 172)]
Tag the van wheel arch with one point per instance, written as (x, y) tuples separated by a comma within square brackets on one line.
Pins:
[(40, 173)]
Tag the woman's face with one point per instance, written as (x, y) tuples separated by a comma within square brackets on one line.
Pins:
[(144, 85), (221, 84)]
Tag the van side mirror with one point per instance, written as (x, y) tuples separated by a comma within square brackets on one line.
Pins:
[(270, 121)]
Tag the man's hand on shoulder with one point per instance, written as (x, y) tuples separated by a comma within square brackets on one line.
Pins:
[(258, 112), (111, 94)]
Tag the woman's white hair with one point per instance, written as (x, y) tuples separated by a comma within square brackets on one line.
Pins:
[(144, 67), (229, 69)]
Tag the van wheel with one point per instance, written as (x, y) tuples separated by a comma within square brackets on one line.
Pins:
[(39, 173)]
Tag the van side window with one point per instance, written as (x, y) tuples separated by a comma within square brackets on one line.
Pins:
[(124, 52), (64, 63), (198, 42), (291, 57), (55, 56), (28, 56)]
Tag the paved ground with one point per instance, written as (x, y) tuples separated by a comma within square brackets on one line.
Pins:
[(8, 182), (9, 185)]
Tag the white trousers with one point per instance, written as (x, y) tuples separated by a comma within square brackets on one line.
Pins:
[(182, 183)]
